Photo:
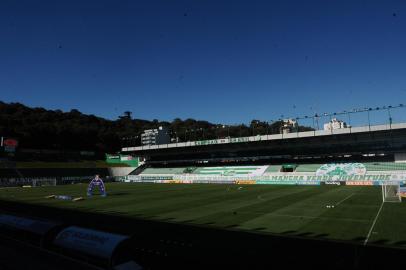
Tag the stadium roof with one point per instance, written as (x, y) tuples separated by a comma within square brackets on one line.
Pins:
[(263, 138)]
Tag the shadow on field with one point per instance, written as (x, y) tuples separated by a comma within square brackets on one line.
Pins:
[(304, 234), (119, 193), (188, 221), (320, 235), (380, 242), (208, 223), (164, 245), (359, 239), (289, 232)]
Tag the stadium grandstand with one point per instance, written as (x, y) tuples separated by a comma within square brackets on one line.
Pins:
[(353, 154)]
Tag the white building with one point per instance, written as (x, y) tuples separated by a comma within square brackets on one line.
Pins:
[(288, 126), (335, 124)]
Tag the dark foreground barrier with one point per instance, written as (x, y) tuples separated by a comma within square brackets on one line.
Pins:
[(106, 250), (33, 231), (166, 245), (95, 247)]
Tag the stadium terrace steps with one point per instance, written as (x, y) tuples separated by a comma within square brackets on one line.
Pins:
[(247, 170), (221, 170), (164, 170), (308, 167), (370, 166), (273, 169), (385, 166)]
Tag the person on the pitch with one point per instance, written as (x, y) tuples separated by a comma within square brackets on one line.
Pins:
[(96, 181)]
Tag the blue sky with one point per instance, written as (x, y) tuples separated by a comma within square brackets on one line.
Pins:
[(221, 61)]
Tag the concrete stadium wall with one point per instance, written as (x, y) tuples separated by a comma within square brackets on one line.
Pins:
[(400, 157), (120, 171)]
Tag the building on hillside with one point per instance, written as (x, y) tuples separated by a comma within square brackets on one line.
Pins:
[(289, 126), (335, 124)]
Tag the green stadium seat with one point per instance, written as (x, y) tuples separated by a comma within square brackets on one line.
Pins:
[(163, 170)]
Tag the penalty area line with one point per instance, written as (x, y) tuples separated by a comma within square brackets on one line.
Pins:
[(373, 225), (345, 199)]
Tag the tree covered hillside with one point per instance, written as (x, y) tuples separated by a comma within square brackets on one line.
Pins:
[(39, 128)]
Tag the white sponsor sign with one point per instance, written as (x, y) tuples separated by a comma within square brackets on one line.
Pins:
[(97, 243), (124, 158)]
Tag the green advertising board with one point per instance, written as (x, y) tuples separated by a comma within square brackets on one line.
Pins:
[(122, 159)]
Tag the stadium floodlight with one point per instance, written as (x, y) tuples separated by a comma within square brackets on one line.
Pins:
[(369, 121), (391, 192)]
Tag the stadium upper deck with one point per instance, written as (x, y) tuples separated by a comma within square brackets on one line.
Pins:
[(379, 139)]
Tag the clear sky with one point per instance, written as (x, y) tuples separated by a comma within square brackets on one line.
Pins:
[(221, 61)]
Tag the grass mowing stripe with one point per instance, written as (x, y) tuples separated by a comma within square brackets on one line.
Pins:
[(344, 199), (174, 198), (373, 224), (227, 204), (308, 206), (227, 218), (183, 203), (262, 208), (312, 217)]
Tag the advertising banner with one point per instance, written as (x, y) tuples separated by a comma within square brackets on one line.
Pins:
[(402, 191), (245, 182), (337, 183), (311, 183), (264, 182), (359, 183), (9, 149), (156, 177), (178, 181), (380, 183), (10, 142)]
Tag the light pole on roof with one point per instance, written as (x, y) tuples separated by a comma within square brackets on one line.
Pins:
[(369, 121), (390, 117)]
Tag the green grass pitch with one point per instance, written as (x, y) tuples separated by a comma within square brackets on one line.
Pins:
[(291, 210)]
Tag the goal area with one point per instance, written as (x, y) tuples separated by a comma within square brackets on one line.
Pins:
[(391, 192)]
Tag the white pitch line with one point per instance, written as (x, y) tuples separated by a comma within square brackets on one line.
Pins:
[(345, 199), (307, 217), (373, 225)]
